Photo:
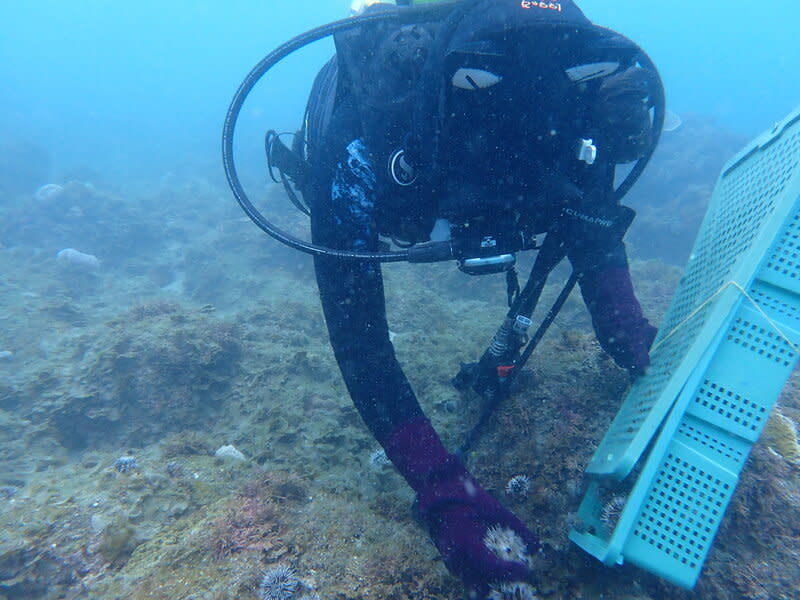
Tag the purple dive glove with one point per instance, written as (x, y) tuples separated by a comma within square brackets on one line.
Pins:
[(621, 328), (480, 541)]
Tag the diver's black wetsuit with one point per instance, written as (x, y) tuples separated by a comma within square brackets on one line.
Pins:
[(349, 212), (508, 162)]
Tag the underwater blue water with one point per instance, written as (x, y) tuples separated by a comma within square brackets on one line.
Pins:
[(125, 94), (133, 90)]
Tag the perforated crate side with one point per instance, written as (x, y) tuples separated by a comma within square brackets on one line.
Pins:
[(749, 206), (783, 266), (747, 375), (689, 491), (692, 486), (651, 397), (681, 514), (708, 396), (780, 305)]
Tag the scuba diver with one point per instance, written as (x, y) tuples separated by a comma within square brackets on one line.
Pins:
[(466, 130)]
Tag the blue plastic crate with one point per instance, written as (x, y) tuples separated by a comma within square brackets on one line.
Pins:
[(726, 347)]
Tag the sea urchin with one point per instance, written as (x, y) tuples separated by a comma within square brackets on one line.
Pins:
[(278, 583), (507, 545), (612, 511)]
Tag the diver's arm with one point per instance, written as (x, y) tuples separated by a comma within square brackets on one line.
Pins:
[(624, 133), (353, 298), (598, 256), (456, 509)]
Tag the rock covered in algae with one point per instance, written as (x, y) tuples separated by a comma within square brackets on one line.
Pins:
[(780, 434), (229, 452), (118, 540), (155, 369), (76, 258), (57, 217)]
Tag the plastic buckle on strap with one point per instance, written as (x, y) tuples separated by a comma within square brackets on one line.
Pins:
[(587, 151)]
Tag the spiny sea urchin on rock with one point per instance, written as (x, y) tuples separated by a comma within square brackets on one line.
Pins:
[(612, 511), (518, 486), (126, 464), (507, 545), (515, 590), (279, 583), (378, 459)]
